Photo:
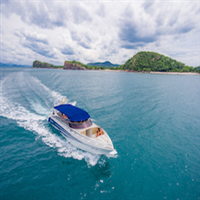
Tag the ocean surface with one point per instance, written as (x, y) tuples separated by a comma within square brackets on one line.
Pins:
[(153, 121)]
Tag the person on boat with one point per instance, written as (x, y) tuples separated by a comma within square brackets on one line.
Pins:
[(64, 116), (99, 132), (63, 101)]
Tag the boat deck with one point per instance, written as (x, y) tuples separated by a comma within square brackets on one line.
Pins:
[(89, 132)]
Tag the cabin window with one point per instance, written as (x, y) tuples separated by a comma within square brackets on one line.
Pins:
[(80, 125)]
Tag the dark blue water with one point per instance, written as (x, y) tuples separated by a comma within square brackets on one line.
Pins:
[(153, 121)]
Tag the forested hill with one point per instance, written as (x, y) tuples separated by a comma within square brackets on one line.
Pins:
[(151, 61), (38, 64), (73, 65), (142, 62)]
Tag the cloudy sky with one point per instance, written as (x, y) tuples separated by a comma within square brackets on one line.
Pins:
[(91, 31)]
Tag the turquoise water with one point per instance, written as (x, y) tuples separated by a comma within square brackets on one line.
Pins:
[(153, 121)]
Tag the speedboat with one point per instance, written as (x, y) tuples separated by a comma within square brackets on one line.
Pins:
[(76, 126)]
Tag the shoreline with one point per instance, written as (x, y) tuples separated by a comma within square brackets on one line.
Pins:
[(128, 71), (152, 72), (177, 73)]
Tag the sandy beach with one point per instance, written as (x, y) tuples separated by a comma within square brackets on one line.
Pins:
[(151, 72), (176, 73)]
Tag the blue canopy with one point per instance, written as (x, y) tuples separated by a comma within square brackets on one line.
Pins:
[(73, 113)]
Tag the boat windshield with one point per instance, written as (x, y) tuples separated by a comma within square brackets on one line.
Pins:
[(80, 125)]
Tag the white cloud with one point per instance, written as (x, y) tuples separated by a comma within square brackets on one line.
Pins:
[(99, 31), (32, 36)]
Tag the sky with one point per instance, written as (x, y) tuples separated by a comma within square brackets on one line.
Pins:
[(98, 31)]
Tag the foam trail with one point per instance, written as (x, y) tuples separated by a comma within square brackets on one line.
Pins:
[(54, 94), (57, 96), (36, 123), (40, 109), (48, 96)]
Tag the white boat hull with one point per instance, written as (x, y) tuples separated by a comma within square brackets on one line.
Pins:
[(81, 141)]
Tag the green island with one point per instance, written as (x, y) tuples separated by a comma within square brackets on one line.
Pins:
[(141, 62)]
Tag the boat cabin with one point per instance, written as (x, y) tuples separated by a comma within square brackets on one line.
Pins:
[(75, 117)]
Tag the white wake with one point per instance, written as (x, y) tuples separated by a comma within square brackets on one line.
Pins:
[(37, 122)]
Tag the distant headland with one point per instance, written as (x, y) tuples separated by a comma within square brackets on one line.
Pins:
[(143, 61), (103, 64)]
